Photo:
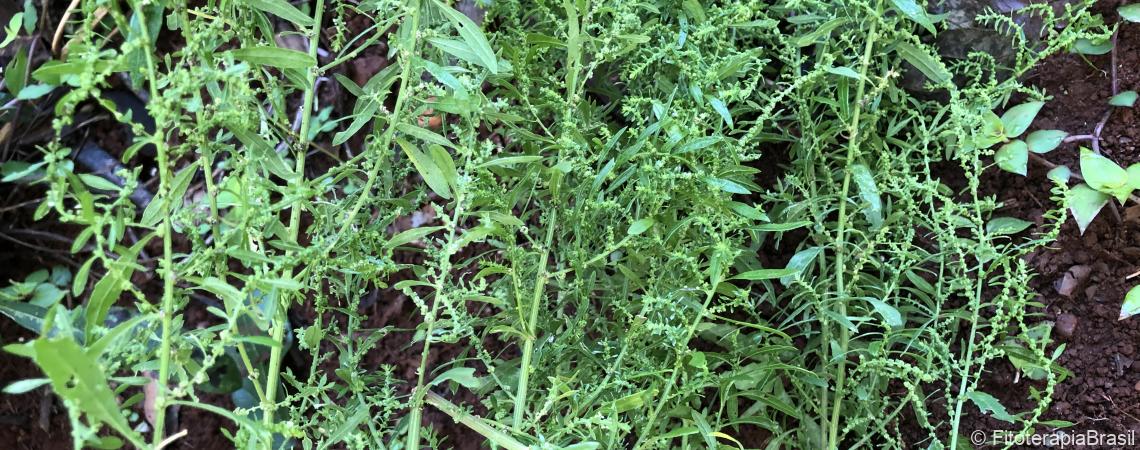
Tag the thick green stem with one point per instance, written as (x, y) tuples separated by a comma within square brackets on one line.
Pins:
[(280, 319), (532, 324), (841, 244)]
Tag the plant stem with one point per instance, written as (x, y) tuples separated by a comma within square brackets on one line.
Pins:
[(280, 318), (840, 240), (164, 180), (417, 405), (532, 324)]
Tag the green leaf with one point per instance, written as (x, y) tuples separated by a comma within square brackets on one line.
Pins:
[(1124, 99), (1090, 47), (844, 71), (699, 143), (23, 386), (1134, 176), (921, 60), (1060, 174), (472, 36), (78, 378), (1044, 141), (999, 226), (1085, 202), (992, 132), (15, 74), (274, 56), (284, 10), (510, 161), (1104, 175), (411, 235), (465, 376), (890, 314), (1013, 157), (720, 108), (34, 91), (640, 226), (800, 262), (27, 315), (427, 169), (913, 11), (766, 274), (1130, 13), (1131, 305), (988, 404), (442, 159), (870, 194), (1017, 119), (231, 296), (728, 186)]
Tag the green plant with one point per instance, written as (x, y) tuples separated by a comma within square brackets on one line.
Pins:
[(608, 250)]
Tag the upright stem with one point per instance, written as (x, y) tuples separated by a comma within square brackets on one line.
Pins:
[(532, 324), (418, 394), (164, 180), (280, 317), (841, 244)]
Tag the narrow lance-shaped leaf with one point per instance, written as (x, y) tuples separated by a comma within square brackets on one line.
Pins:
[(427, 169)]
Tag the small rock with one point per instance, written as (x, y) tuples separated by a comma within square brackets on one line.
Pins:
[(1072, 279), (1127, 349), (1137, 386), (1066, 325)]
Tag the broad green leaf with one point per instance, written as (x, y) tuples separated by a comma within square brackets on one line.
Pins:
[(472, 36), (78, 378), (1044, 141), (924, 62), (1085, 202), (427, 169), (1090, 47), (411, 235), (992, 131), (721, 109), (1134, 176), (27, 315), (988, 404), (1131, 305), (640, 226), (22, 386), (465, 376), (1017, 119), (231, 296), (510, 161), (844, 71), (914, 11), (699, 143), (1104, 175), (1124, 99), (1130, 13), (1060, 174), (15, 74), (766, 274), (889, 313), (34, 91), (870, 194), (999, 226), (1013, 157), (728, 186), (446, 165), (800, 262), (282, 9), (274, 56)]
